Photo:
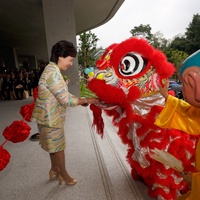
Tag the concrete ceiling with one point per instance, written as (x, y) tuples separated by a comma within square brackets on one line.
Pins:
[(22, 22)]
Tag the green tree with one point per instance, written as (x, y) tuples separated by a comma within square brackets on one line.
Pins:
[(193, 35), (142, 31), (87, 45), (176, 57), (158, 41), (179, 43)]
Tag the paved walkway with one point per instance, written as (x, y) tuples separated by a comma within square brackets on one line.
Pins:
[(99, 165)]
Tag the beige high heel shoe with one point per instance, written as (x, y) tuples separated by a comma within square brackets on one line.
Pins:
[(71, 183), (51, 173)]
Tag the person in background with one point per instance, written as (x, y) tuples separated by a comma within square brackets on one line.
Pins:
[(31, 78), (42, 67), (20, 86), (7, 70), (14, 79), (27, 83), (16, 72), (21, 71), (7, 87), (3, 74), (30, 71), (24, 72), (51, 105), (185, 116)]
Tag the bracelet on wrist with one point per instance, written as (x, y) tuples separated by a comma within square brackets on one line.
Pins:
[(85, 100)]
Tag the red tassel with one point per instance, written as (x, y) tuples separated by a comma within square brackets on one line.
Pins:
[(97, 119), (135, 175), (123, 131)]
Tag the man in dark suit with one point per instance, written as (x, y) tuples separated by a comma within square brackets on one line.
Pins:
[(27, 83), (31, 78), (7, 87), (20, 86), (42, 66)]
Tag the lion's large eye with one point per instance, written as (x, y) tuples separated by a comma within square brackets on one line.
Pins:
[(132, 64)]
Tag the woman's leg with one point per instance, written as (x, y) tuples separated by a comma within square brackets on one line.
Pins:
[(54, 165), (60, 162)]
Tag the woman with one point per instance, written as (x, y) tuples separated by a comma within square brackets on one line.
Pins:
[(50, 108)]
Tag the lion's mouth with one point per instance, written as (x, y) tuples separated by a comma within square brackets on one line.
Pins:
[(108, 76)]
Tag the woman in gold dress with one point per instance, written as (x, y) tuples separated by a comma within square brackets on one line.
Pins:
[(50, 108)]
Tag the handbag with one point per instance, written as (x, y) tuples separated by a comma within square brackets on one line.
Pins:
[(19, 86), (25, 94)]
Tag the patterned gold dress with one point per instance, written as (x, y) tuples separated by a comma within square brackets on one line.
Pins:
[(50, 108)]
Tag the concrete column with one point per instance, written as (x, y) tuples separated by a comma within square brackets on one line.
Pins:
[(15, 58), (59, 21), (33, 62)]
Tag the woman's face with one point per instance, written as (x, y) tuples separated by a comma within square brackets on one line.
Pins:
[(65, 63)]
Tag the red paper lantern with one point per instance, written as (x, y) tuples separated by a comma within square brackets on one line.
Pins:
[(18, 131), (26, 111), (4, 158)]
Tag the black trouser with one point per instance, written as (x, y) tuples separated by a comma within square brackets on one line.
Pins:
[(21, 90), (3, 94), (29, 89), (7, 92)]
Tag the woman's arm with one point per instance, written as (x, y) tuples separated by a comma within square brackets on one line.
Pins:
[(57, 87), (86, 101)]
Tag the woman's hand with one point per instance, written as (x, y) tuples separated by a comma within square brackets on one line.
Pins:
[(187, 176), (85, 101), (93, 100), (164, 90)]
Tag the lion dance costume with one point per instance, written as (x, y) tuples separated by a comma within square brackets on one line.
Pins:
[(126, 83)]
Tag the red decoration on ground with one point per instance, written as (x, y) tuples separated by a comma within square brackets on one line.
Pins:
[(18, 131), (4, 158), (26, 111), (35, 93)]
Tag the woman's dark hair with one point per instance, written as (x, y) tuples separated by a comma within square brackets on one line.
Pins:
[(63, 49)]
